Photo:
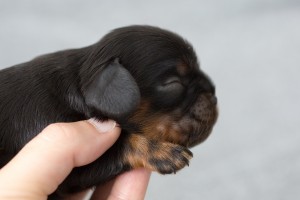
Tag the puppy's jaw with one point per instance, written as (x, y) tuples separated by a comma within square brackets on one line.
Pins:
[(187, 128)]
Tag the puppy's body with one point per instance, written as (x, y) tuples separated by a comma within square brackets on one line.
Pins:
[(157, 94), (38, 93)]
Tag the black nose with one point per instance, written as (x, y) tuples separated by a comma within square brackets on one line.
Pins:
[(213, 99)]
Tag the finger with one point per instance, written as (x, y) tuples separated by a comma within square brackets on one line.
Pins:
[(130, 185), (46, 160)]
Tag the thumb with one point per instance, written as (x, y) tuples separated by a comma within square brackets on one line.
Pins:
[(47, 159)]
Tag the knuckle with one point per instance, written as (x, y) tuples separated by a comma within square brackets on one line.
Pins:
[(60, 130)]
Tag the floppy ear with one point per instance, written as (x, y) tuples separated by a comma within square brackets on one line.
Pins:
[(112, 92)]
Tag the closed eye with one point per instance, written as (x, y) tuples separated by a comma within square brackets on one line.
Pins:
[(172, 80), (169, 92)]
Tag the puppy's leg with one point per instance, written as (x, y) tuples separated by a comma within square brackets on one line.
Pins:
[(163, 157)]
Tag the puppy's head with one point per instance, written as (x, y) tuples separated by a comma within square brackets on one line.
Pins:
[(157, 82)]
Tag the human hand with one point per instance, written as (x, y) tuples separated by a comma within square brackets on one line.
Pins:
[(44, 162)]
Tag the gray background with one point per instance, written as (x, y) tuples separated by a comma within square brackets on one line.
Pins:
[(249, 47)]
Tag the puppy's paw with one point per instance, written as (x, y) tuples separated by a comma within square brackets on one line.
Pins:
[(169, 158), (163, 157)]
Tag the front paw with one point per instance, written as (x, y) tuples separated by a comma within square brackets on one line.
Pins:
[(169, 158), (163, 157)]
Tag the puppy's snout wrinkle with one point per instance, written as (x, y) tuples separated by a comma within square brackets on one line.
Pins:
[(206, 85)]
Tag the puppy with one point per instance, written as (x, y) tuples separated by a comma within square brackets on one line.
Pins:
[(146, 78)]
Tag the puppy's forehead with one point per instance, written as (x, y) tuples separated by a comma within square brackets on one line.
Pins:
[(151, 40), (149, 50)]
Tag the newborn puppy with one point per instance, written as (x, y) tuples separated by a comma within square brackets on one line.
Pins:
[(146, 78)]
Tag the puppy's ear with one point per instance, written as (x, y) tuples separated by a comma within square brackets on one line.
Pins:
[(112, 92)]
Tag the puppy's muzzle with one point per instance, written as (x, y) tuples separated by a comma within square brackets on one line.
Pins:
[(203, 115), (203, 109)]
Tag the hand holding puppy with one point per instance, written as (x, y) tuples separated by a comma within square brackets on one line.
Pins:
[(37, 170)]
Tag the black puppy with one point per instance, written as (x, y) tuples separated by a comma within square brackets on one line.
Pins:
[(145, 78)]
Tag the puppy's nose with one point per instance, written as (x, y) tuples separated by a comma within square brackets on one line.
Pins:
[(213, 99)]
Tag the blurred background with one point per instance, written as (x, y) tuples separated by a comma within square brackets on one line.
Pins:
[(251, 50)]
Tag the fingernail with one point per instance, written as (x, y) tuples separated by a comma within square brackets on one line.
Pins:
[(103, 126)]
